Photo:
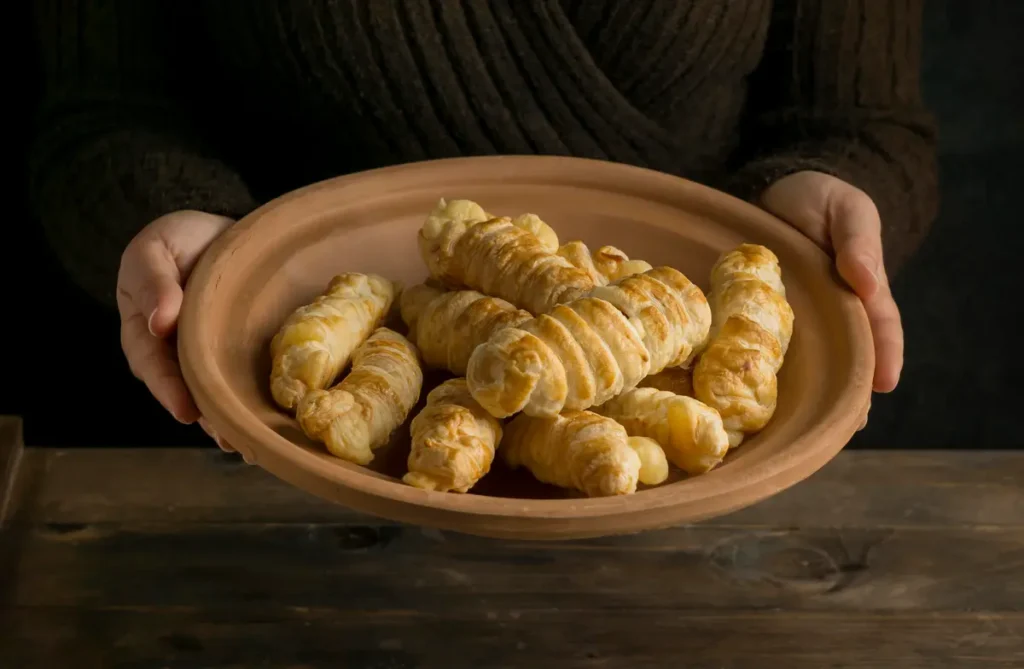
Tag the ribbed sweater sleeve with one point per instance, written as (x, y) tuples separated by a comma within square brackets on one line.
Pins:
[(113, 148), (838, 92)]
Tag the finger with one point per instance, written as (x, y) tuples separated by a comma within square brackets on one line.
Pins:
[(887, 331), (223, 445), (856, 232), (157, 262), (864, 423), (152, 360), (150, 282)]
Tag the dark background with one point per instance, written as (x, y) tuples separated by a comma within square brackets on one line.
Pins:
[(961, 296)]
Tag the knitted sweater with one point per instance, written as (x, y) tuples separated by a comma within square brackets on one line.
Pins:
[(161, 105)]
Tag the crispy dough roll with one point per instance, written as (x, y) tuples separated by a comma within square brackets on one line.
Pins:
[(565, 360), (672, 311), (676, 380), (604, 265), (501, 257), (497, 258), (447, 325), (542, 231), (581, 450), (584, 353), (316, 341), (751, 330), (445, 224), (450, 219), (653, 462), (453, 440), (359, 414), (690, 431)]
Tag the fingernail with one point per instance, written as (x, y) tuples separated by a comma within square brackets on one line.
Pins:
[(872, 266), (149, 322), (210, 432)]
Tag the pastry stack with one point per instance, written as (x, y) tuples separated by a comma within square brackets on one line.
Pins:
[(595, 372)]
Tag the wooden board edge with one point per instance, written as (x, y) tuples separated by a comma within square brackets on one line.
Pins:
[(967, 489), (12, 447)]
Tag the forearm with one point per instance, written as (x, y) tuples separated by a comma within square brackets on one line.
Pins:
[(123, 134), (94, 196)]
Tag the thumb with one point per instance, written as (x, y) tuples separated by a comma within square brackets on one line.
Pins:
[(855, 228), (152, 282), (157, 262), (838, 217)]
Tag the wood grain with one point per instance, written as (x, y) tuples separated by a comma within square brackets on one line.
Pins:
[(187, 558), (862, 488), (497, 638), (705, 567)]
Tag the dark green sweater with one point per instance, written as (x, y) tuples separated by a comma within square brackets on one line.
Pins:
[(157, 105)]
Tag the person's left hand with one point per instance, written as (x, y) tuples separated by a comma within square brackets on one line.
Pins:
[(844, 221)]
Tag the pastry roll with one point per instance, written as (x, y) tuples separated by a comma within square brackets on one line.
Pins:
[(453, 440), (579, 450), (450, 219), (673, 313), (584, 353), (691, 432), (751, 329), (447, 325), (443, 227), (359, 414), (565, 360), (542, 231), (316, 341), (605, 265), (498, 258), (653, 462)]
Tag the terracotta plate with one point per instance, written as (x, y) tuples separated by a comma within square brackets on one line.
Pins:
[(282, 255)]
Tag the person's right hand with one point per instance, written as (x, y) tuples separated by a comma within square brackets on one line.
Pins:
[(154, 267)]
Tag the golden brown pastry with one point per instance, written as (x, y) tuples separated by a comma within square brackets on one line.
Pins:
[(445, 224), (565, 360), (447, 325), (453, 440), (498, 257), (359, 414), (604, 265), (449, 219), (584, 353), (316, 341), (690, 432), (542, 231), (676, 380), (580, 450), (751, 329), (653, 463), (673, 313)]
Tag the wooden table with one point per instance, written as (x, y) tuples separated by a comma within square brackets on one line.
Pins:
[(188, 558)]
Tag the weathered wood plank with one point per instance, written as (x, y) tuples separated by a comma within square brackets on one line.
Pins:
[(398, 568), (858, 488), (11, 451), (183, 558), (493, 638)]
